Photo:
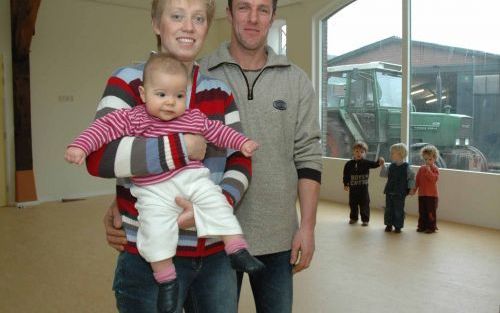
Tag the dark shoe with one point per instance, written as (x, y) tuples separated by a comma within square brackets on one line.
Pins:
[(420, 230), (430, 231), (364, 224), (388, 228), (243, 261), (353, 222), (167, 296), (397, 230)]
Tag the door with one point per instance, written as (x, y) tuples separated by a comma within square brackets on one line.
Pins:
[(3, 175)]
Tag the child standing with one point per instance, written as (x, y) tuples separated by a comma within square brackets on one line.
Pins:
[(164, 94), (400, 182), (426, 184), (356, 174)]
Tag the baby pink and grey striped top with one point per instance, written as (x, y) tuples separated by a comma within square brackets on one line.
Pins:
[(137, 122)]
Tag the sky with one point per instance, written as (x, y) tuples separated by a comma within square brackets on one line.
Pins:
[(445, 22)]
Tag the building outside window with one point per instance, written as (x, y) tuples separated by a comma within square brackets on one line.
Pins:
[(455, 85)]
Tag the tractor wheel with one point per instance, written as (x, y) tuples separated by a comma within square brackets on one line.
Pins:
[(338, 141), (467, 158), (415, 158)]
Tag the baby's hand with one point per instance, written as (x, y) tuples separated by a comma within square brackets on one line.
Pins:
[(74, 155), (346, 188), (249, 148), (413, 191)]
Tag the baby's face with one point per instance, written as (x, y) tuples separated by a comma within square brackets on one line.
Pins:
[(165, 95)]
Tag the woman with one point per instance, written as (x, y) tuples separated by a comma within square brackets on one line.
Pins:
[(207, 282)]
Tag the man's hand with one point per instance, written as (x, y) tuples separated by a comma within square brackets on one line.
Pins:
[(196, 146), (346, 188), (186, 218), (115, 235), (302, 250)]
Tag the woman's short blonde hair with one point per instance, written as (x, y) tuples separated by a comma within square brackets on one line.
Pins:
[(400, 148), (157, 7), (429, 150)]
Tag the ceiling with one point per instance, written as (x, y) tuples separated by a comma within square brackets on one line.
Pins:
[(220, 9)]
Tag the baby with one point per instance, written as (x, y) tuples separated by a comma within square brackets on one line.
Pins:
[(164, 112)]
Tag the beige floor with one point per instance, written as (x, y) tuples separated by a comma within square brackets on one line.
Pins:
[(54, 259)]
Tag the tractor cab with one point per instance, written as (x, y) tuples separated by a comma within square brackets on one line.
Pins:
[(364, 103)]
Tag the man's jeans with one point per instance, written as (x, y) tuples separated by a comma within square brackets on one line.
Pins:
[(206, 285), (273, 286)]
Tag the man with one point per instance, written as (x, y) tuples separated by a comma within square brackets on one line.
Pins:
[(277, 106)]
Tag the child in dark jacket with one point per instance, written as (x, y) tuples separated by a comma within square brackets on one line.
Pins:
[(356, 173), (400, 183)]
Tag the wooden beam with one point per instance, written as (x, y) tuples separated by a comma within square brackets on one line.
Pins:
[(23, 19)]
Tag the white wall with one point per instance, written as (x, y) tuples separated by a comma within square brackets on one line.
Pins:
[(77, 45), (464, 197)]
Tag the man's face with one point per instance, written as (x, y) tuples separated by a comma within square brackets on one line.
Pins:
[(251, 21)]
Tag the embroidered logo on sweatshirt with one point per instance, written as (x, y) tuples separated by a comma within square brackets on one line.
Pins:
[(280, 105)]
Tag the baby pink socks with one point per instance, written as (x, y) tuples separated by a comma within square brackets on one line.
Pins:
[(166, 275), (235, 245)]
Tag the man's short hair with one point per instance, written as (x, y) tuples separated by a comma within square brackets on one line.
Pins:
[(230, 5)]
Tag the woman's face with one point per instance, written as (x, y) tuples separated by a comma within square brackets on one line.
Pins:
[(182, 27)]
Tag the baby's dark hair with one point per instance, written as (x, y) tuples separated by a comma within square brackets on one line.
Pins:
[(360, 145), (164, 63)]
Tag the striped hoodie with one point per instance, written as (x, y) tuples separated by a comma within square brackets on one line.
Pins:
[(142, 156)]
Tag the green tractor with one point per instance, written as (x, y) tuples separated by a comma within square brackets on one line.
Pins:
[(364, 103)]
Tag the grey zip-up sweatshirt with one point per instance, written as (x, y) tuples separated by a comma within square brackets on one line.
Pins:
[(278, 110)]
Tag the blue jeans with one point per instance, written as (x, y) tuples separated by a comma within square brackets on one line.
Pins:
[(394, 213), (272, 287), (206, 285)]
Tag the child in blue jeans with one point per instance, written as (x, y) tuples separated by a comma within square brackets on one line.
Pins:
[(400, 183)]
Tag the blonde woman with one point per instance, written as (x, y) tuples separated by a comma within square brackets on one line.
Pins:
[(206, 281)]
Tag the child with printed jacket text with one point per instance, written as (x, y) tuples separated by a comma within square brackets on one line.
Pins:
[(356, 174)]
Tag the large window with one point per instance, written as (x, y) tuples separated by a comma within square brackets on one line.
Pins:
[(362, 85), (277, 37), (455, 80)]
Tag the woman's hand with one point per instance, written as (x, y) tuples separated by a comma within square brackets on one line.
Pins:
[(115, 235), (196, 146), (186, 218)]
